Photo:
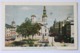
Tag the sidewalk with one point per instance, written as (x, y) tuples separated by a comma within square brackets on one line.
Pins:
[(57, 44)]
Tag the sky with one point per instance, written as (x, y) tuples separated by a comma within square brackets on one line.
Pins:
[(18, 13)]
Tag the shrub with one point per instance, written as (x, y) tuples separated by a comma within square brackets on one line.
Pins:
[(18, 43)]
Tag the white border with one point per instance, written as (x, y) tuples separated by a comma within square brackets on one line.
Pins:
[(41, 3)]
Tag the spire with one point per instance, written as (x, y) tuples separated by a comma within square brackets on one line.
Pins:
[(44, 12), (44, 8), (54, 21), (13, 23)]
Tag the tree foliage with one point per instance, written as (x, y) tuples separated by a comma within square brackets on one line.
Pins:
[(27, 28)]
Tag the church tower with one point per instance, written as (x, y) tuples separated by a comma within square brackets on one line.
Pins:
[(13, 23), (44, 16), (44, 27), (33, 19)]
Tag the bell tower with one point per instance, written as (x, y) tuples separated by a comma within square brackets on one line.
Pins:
[(44, 27), (44, 16)]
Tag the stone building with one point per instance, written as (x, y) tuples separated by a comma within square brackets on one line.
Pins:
[(10, 31), (44, 31)]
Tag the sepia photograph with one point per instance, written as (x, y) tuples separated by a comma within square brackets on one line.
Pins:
[(41, 25)]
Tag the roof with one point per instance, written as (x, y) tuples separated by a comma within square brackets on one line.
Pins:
[(33, 16), (13, 21), (8, 26)]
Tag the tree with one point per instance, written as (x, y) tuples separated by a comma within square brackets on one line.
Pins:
[(51, 29), (35, 28), (24, 28), (27, 28)]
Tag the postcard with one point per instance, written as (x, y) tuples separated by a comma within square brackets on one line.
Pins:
[(40, 26)]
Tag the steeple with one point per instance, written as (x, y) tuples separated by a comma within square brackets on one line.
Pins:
[(13, 23), (44, 12), (54, 21), (44, 16)]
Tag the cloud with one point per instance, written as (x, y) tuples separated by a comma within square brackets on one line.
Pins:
[(26, 8)]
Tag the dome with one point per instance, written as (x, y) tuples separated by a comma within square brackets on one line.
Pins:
[(13, 21), (33, 16)]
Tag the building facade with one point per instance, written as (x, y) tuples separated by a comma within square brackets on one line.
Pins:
[(10, 31), (44, 31)]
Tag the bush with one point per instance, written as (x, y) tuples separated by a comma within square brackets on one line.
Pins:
[(18, 43), (30, 42)]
